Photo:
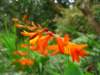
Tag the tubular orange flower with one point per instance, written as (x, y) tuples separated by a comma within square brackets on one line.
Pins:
[(60, 44), (45, 40), (18, 52), (38, 32), (25, 33), (34, 40), (25, 61), (76, 51), (43, 43)]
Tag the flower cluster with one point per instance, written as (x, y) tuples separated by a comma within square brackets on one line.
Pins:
[(39, 39)]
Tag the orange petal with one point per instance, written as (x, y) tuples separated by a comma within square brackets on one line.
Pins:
[(83, 53), (75, 56), (53, 47), (60, 44), (34, 40), (46, 40), (31, 34), (25, 33)]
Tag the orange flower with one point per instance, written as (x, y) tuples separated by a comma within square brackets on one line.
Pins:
[(25, 33), (24, 45), (20, 53), (34, 40), (43, 43), (25, 61), (60, 43), (75, 51), (76, 54)]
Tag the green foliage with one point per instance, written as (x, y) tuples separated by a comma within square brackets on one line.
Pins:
[(72, 69), (97, 13), (8, 41), (87, 73)]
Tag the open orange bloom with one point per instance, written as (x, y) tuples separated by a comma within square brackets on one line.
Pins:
[(20, 53), (76, 51), (62, 42)]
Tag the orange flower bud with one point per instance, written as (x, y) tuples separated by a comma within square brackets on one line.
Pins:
[(26, 61), (19, 26), (20, 53)]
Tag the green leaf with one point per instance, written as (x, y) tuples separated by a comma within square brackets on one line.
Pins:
[(87, 73), (72, 69)]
